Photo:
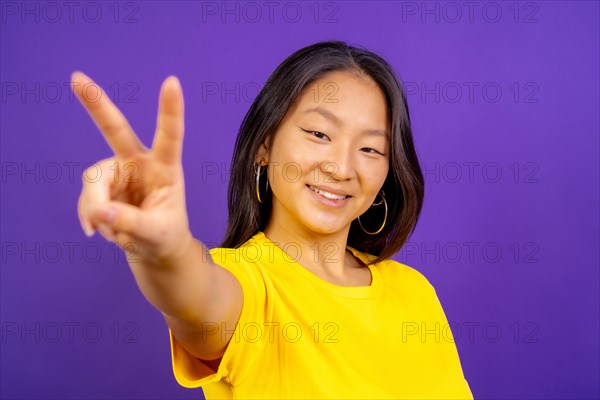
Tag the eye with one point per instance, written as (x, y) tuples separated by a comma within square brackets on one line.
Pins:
[(320, 135), (372, 150), (316, 134)]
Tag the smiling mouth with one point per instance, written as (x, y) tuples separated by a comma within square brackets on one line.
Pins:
[(328, 195)]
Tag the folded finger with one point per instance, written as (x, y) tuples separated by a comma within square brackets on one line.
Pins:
[(97, 183), (83, 217)]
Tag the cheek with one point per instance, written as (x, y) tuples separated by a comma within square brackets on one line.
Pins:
[(288, 166), (383, 176), (292, 163), (373, 172)]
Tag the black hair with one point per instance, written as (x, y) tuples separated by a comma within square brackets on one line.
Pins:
[(403, 187)]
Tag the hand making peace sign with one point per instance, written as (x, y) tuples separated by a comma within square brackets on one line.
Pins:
[(139, 197)]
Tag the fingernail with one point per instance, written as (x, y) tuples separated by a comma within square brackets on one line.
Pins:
[(107, 214), (106, 232), (89, 232), (174, 79)]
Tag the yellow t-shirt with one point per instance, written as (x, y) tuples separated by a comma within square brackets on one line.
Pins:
[(299, 336)]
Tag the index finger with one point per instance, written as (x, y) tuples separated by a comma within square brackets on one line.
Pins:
[(106, 115)]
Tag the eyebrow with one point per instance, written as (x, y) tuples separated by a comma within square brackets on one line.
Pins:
[(326, 114)]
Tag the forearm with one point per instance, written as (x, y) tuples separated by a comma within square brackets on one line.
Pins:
[(178, 286)]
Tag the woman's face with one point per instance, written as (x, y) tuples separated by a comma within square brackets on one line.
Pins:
[(334, 139)]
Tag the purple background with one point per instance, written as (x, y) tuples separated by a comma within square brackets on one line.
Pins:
[(509, 230)]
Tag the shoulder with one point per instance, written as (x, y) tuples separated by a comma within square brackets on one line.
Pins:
[(249, 252), (399, 275), (395, 273), (411, 286), (244, 263), (393, 268)]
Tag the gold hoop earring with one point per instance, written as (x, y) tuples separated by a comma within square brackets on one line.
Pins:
[(384, 218), (258, 172)]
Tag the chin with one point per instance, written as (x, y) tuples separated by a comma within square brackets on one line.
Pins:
[(325, 227)]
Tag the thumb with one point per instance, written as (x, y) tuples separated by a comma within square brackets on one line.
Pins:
[(116, 217)]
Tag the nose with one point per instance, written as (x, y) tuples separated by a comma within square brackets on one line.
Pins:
[(340, 165)]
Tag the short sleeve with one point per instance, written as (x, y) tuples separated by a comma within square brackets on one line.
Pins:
[(189, 371), (454, 386), (430, 332), (242, 349)]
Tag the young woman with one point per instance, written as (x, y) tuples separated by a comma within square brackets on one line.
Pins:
[(302, 299)]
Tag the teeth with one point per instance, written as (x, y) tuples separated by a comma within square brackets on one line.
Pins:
[(327, 194)]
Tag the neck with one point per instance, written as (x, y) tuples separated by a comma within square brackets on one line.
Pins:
[(319, 252)]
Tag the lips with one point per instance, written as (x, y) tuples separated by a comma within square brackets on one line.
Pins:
[(330, 194)]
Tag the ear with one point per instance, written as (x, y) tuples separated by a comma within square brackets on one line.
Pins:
[(262, 155)]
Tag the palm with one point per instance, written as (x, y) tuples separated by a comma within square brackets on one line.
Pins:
[(145, 186)]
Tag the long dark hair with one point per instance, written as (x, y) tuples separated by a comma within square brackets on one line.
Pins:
[(404, 186)]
